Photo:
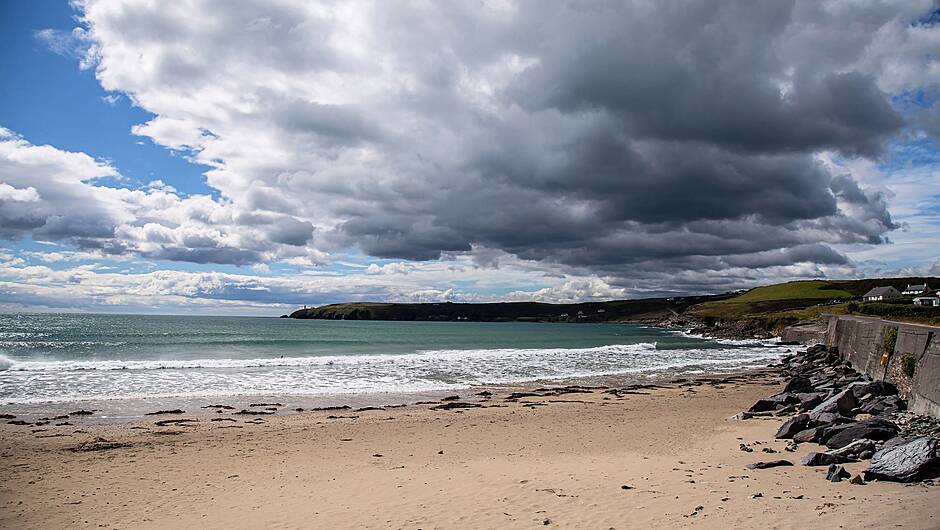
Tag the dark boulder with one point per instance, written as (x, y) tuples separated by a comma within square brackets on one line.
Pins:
[(792, 426), (828, 419), (763, 405), (799, 384), (809, 400), (808, 435), (842, 403), (875, 388), (836, 473), (904, 462), (823, 459), (872, 429), (772, 463)]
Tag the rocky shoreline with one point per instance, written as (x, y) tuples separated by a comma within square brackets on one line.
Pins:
[(852, 418)]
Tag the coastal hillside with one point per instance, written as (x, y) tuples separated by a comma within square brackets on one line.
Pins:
[(647, 310), (760, 310), (772, 307)]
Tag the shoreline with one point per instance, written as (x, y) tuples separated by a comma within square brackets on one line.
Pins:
[(130, 409), (623, 457)]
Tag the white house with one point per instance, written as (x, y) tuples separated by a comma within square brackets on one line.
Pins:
[(881, 293), (927, 300), (914, 290)]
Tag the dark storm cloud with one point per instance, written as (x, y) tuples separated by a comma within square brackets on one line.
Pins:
[(635, 140)]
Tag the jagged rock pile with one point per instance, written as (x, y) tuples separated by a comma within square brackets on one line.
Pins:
[(855, 418)]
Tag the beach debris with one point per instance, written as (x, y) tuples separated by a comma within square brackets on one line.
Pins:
[(627, 487), (745, 448), (378, 455), (18, 422), (332, 417), (341, 407), (904, 461), (450, 405), (163, 412), (222, 419), (364, 409), (769, 464), (181, 421), (245, 412), (98, 444), (266, 405), (484, 393), (836, 473), (82, 412), (219, 407), (450, 398), (7, 416)]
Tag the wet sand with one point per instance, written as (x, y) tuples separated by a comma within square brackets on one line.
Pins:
[(661, 457)]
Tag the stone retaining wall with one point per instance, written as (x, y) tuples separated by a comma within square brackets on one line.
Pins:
[(861, 342)]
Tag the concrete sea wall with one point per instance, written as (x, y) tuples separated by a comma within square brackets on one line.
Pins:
[(861, 342)]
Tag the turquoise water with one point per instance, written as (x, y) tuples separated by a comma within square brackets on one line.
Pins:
[(49, 358)]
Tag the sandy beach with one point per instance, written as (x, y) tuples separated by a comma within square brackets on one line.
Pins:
[(662, 457)]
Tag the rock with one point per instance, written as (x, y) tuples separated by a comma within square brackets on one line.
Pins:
[(857, 479), (220, 407), (875, 388), (808, 435), (763, 405), (828, 418), (450, 398), (837, 473), (82, 413), (854, 449), (809, 400), (904, 462), (772, 463), (799, 384), (160, 412), (792, 426), (823, 459), (842, 403), (7, 416), (873, 429), (745, 448), (265, 405)]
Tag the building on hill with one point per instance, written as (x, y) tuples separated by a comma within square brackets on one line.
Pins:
[(881, 293), (932, 301), (915, 290)]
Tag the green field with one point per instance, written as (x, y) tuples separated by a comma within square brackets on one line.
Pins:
[(811, 289)]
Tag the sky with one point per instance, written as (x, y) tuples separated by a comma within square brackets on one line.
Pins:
[(241, 157)]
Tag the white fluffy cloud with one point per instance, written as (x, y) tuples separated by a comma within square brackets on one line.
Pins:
[(629, 147)]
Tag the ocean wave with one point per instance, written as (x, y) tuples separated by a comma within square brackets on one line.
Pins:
[(286, 362)]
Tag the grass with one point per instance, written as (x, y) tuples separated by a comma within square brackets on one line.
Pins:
[(812, 289), (778, 304), (908, 365)]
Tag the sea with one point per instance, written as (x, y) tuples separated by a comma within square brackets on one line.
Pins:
[(67, 358)]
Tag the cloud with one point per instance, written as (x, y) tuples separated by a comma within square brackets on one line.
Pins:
[(605, 140)]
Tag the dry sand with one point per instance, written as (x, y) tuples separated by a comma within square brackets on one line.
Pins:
[(509, 465)]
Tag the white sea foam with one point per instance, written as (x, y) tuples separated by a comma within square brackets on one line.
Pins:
[(430, 370), (6, 363)]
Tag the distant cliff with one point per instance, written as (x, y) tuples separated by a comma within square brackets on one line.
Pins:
[(646, 310)]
